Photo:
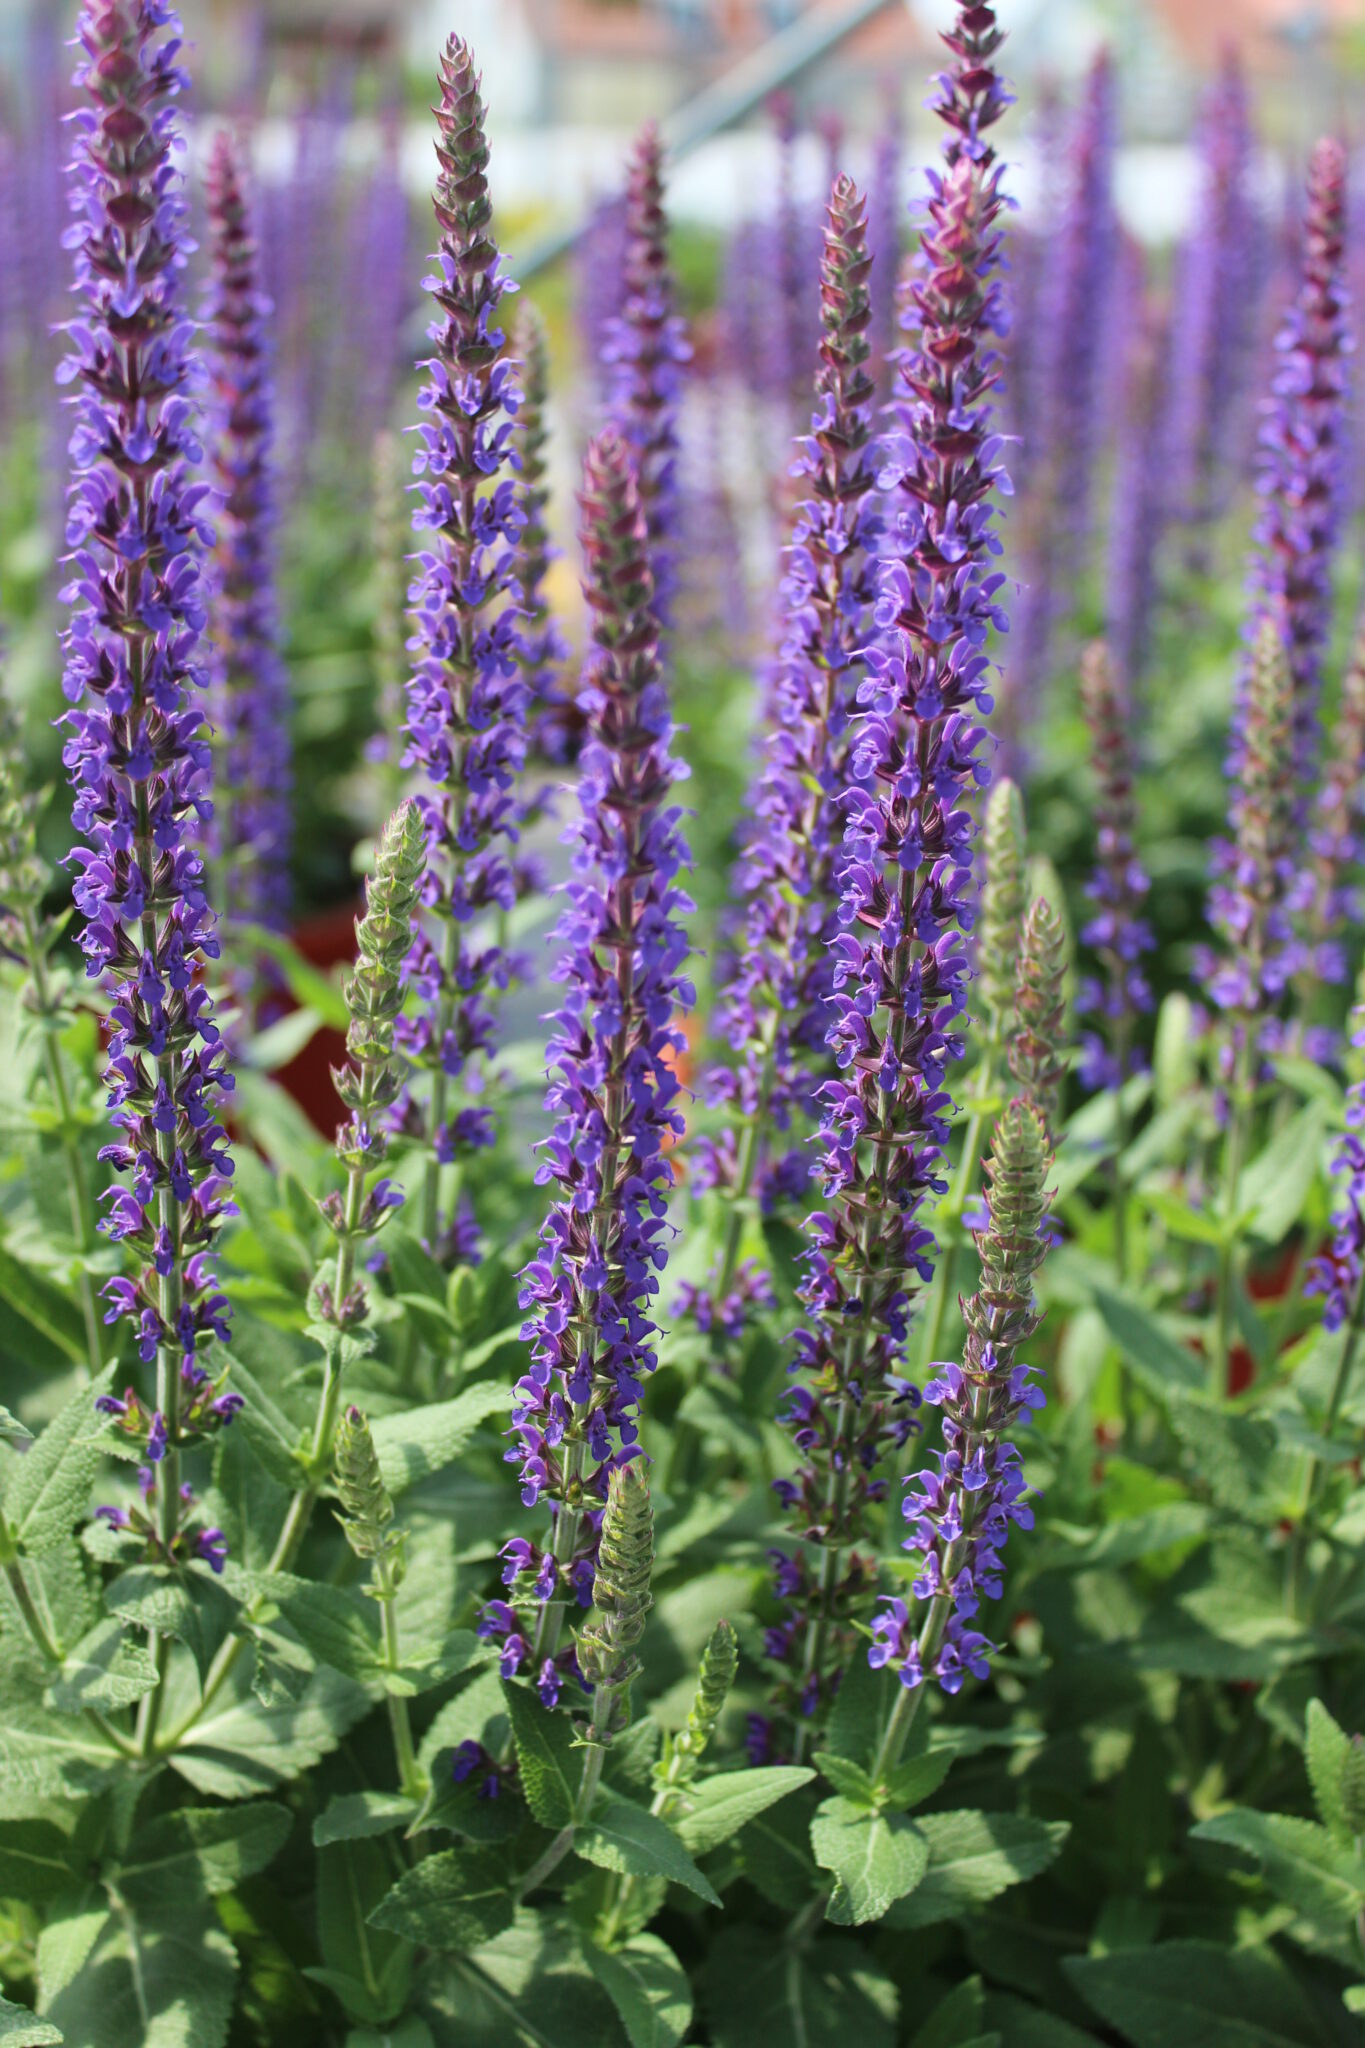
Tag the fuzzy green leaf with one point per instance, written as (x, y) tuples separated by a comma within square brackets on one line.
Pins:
[(149, 1982), (451, 1902), (1159, 1360), (352, 1815), (242, 1747), (973, 1857), (47, 1489), (875, 1859), (1328, 1753), (19, 2028), (106, 1670), (648, 1986), (1194, 1994), (1299, 1860), (197, 1852), (721, 1805), (421, 1441), (36, 1860), (549, 1765), (824, 1996), (628, 1838)]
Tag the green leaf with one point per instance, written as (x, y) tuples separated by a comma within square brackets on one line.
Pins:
[(1183, 1221), (13, 1431), (47, 1490), (308, 985), (959, 2021), (36, 1860), (411, 2032), (1299, 1860), (530, 1982), (158, 1598), (875, 1858), (648, 1986), (352, 1815), (339, 1628), (1276, 1186), (1328, 1752), (721, 1805), (241, 1747), (917, 1778), (452, 1901), (462, 1809), (973, 1857), (1230, 1453), (628, 1838), (1194, 1994), (49, 1310), (847, 1778), (150, 1983), (776, 1857), (757, 1990), (420, 1441), (545, 1753), (105, 1671), (368, 1969), (859, 1707), (1159, 1361), (19, 2028), (193, 1854)]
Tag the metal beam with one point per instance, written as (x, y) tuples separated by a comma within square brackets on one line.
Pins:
[(728, 99)]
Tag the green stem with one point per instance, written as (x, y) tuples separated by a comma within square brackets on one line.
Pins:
[(897, 1731), (48, 1647), (961, 1192), (400, 1721), (1234, 1153)]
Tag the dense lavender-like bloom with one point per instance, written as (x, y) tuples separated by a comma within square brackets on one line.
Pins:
[(1299, 469), (1336, 834), (1139, 487), (251, 688), (773, 1003), (962, 1511), (647, 347), (900, 965), (614, 1090), (466, 701), (1337, 1272), (884, 218), (599, 273), (1215, 306), (1118, 932), (543, 650), (135, 747)]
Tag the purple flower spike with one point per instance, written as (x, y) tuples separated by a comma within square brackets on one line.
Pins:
[(647, 347), (900, 962), (1338, 1272), (1118, 932), (466, 699), (135, 745), (774, 1001), (252, 689), (962, 1511), (614, 1044), (1215, 307), (1301, 451), (1337, 829)]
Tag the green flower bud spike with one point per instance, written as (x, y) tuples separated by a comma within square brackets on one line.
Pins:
[(682, 1752), (606, 1645), (1004, 901), (1037, 1052), (366, 1517), (370, 1082)]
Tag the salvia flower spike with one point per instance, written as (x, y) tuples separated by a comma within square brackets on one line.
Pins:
[(543, 648), (135, 747), (614, 1087), (901, 969), (647, 349), (466, 699), (1118, 933), (719, 1664), (370, 1081), (962, 1510), (250, 691), (366, 1517), (1336, 839), (776, 984), (1004, 900), (1337, 1273), (1302, 449)]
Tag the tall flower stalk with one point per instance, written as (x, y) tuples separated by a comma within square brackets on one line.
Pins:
[(647, 348), (614, 1087), (901, 968), (1336, 839), (1301, 452), (1249, 907), (251, 691), (135, 746), (963, 1510), (542, 649), (1118, 933), (466, 700), (773, 1005)]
